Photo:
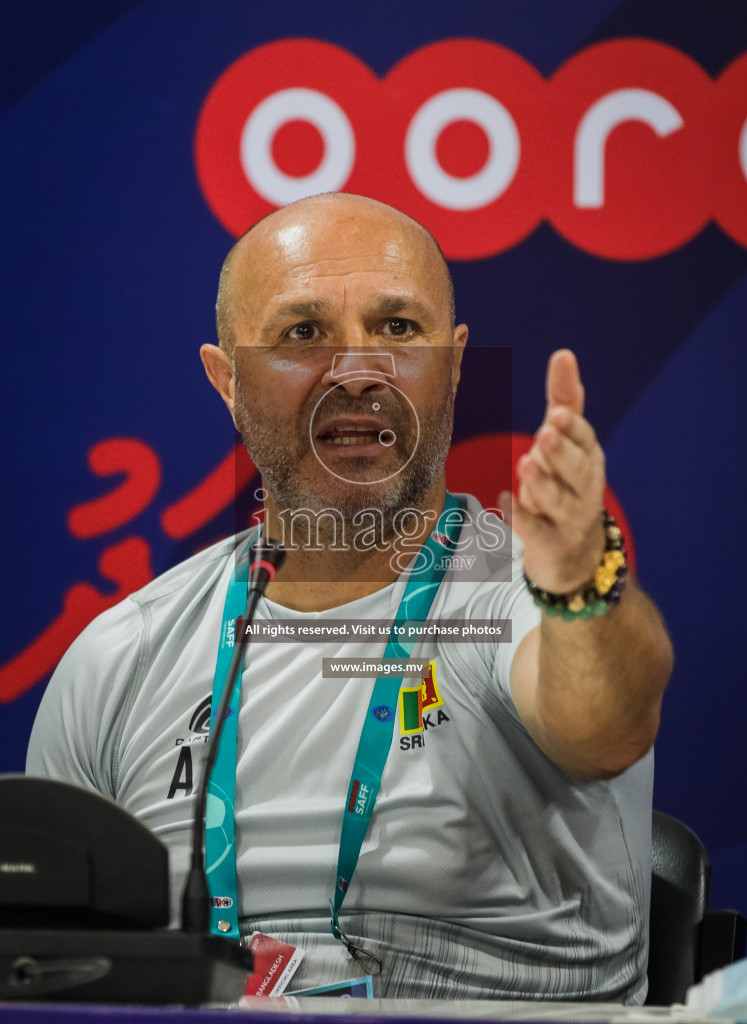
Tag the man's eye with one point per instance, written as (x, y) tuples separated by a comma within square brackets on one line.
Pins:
[(303, 332), (398, 327)]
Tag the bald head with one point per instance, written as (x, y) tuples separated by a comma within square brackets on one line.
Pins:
[(326, 227)]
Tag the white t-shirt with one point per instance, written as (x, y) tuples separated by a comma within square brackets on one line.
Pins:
[(486, 871)]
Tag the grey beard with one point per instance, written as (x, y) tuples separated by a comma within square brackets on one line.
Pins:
[(278, 463)]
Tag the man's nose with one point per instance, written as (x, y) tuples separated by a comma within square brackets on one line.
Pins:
[(358, 370)]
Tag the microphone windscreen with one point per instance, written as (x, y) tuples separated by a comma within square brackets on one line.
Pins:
[(266, 558)]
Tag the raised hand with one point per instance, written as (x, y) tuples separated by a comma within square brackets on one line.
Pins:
[(561, 487)]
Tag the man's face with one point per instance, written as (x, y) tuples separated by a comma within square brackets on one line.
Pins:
[(346, 362)]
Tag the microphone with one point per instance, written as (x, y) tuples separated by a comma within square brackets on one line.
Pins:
[(266, 557)]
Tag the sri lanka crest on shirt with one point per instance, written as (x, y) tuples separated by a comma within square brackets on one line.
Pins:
[(416, 704)]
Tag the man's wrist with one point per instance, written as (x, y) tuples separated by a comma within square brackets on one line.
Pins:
[(600, 592)]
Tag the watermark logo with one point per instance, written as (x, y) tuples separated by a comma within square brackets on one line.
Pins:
[(483, 533)]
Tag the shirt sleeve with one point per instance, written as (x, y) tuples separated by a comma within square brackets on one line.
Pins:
[(517, 605), (76, 732)]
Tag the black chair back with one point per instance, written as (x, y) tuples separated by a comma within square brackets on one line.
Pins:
[(687, 939), (680, 894)]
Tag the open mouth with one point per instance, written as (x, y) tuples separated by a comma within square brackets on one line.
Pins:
[(347, 434), (358, 435)]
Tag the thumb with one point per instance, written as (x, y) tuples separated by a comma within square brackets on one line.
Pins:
[(563, 383)]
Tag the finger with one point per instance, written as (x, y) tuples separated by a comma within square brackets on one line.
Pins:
[(531, 528), (563, 383), (517, 517), (563, 425), (580, 470), (545, 494), (524, 498), (536, 452), (563, 459), (575, 427), (575, 458)]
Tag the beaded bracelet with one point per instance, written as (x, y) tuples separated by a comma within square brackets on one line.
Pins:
[(598, 596)]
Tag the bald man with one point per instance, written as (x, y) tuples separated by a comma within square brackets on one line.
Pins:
[(482, 833)]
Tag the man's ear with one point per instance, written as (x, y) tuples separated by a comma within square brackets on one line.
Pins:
[(460, 340), (219, 370)]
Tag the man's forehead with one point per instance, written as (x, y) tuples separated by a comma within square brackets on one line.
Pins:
[(329, 235), (344, 270)]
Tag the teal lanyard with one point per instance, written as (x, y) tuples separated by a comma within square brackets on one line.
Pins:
[(220, 850), (373, 747)]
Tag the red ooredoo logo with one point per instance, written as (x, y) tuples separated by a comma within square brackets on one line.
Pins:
[(628, 149)]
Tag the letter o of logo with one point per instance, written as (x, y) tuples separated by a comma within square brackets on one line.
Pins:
[(256, 145), (487, 184)]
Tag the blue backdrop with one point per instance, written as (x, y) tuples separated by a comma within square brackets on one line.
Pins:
[(114, 232)]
